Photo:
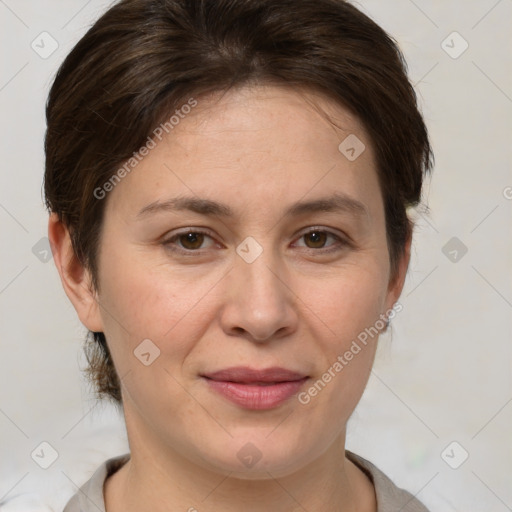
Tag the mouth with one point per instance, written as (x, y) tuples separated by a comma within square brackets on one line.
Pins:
[(246, 375), (256, 389)]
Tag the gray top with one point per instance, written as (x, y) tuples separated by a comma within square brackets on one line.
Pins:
[(390, 498)]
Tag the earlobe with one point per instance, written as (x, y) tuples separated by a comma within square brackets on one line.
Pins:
[(75, 278)]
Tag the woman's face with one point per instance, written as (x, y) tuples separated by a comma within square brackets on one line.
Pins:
[(248, 287)]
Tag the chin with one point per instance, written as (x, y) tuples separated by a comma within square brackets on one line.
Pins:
[(259, 459)]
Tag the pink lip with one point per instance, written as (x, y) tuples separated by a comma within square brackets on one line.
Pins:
[(256, 389)]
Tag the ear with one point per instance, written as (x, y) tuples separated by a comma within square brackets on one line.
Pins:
[(397, 283), (75, 279)]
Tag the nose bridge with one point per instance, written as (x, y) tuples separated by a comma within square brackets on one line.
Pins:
[(258, 267), (261, 302)]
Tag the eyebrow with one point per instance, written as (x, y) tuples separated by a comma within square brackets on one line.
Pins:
[(334, 203)]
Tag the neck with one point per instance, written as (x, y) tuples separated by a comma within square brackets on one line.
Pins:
[(160, 480)]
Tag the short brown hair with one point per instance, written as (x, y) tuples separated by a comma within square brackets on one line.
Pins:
[(144, 58)]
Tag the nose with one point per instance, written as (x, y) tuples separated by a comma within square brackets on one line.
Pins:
[(260, 304)]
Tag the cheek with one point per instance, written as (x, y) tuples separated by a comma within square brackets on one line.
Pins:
[(174, 308), (143, 305), (349, 302), (157, 302), (349, 308), (161, 302)]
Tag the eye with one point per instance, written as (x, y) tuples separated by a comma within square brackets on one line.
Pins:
[(188, 241), (316, 238)]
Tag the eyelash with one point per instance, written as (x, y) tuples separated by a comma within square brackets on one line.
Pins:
[(340, 242)]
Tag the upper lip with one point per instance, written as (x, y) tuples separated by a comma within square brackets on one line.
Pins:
[(245, 374)]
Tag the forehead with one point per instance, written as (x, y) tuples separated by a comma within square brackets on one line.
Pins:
[(252, 144), (287, 116)]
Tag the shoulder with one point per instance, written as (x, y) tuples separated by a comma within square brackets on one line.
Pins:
[(390, 498), (89, 498)]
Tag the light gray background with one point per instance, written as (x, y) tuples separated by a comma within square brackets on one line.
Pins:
[(445, 373)]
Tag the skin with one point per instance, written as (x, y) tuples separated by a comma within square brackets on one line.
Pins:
[(297, 306)]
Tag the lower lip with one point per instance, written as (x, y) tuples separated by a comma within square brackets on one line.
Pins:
[(256, 396)]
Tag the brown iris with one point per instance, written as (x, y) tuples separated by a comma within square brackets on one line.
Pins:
[(317, 237), (194, 240)]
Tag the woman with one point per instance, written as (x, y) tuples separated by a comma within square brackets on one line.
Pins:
[(228, 184)]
